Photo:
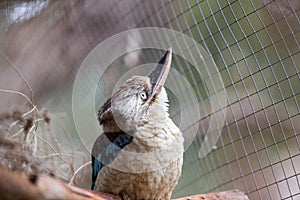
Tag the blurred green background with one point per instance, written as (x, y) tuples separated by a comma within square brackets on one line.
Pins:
[(254, 44)]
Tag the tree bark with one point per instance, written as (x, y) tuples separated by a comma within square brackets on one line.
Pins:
[(20, 186)]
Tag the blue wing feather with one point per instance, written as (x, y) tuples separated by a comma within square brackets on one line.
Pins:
[(105, 150)]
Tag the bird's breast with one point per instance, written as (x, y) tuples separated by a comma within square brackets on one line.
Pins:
[(153, 147), (157, 134), (149, 166), (157, 184)]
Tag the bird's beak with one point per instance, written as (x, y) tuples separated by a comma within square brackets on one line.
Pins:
[(158, 75)]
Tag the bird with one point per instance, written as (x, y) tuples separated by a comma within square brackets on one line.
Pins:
[(139, 155)]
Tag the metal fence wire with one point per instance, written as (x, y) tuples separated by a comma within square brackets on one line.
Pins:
[(255, 45)]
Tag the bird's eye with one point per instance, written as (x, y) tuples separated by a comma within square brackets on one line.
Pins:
[(143, 95)]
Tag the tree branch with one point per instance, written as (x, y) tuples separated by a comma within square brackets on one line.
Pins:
[(31, 187), (227, 195)]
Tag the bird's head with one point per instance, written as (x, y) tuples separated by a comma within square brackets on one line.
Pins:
[(138, 99)]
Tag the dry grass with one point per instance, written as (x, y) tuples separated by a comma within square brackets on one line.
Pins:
[(27, 144)]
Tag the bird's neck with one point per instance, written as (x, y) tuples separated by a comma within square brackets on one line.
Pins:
[(150, 134), (154, 135), (110, 126)]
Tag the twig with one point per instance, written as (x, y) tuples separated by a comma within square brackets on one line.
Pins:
[(51, 147), (56, 154), (30, 111), (19, 93), (76, 172), (54, 138), (21, 75), (17, 133)]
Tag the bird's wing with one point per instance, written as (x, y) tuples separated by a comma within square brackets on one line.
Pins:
[(104, 111), (105, 150)]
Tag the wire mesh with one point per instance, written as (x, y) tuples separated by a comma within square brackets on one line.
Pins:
[(255, 45)]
